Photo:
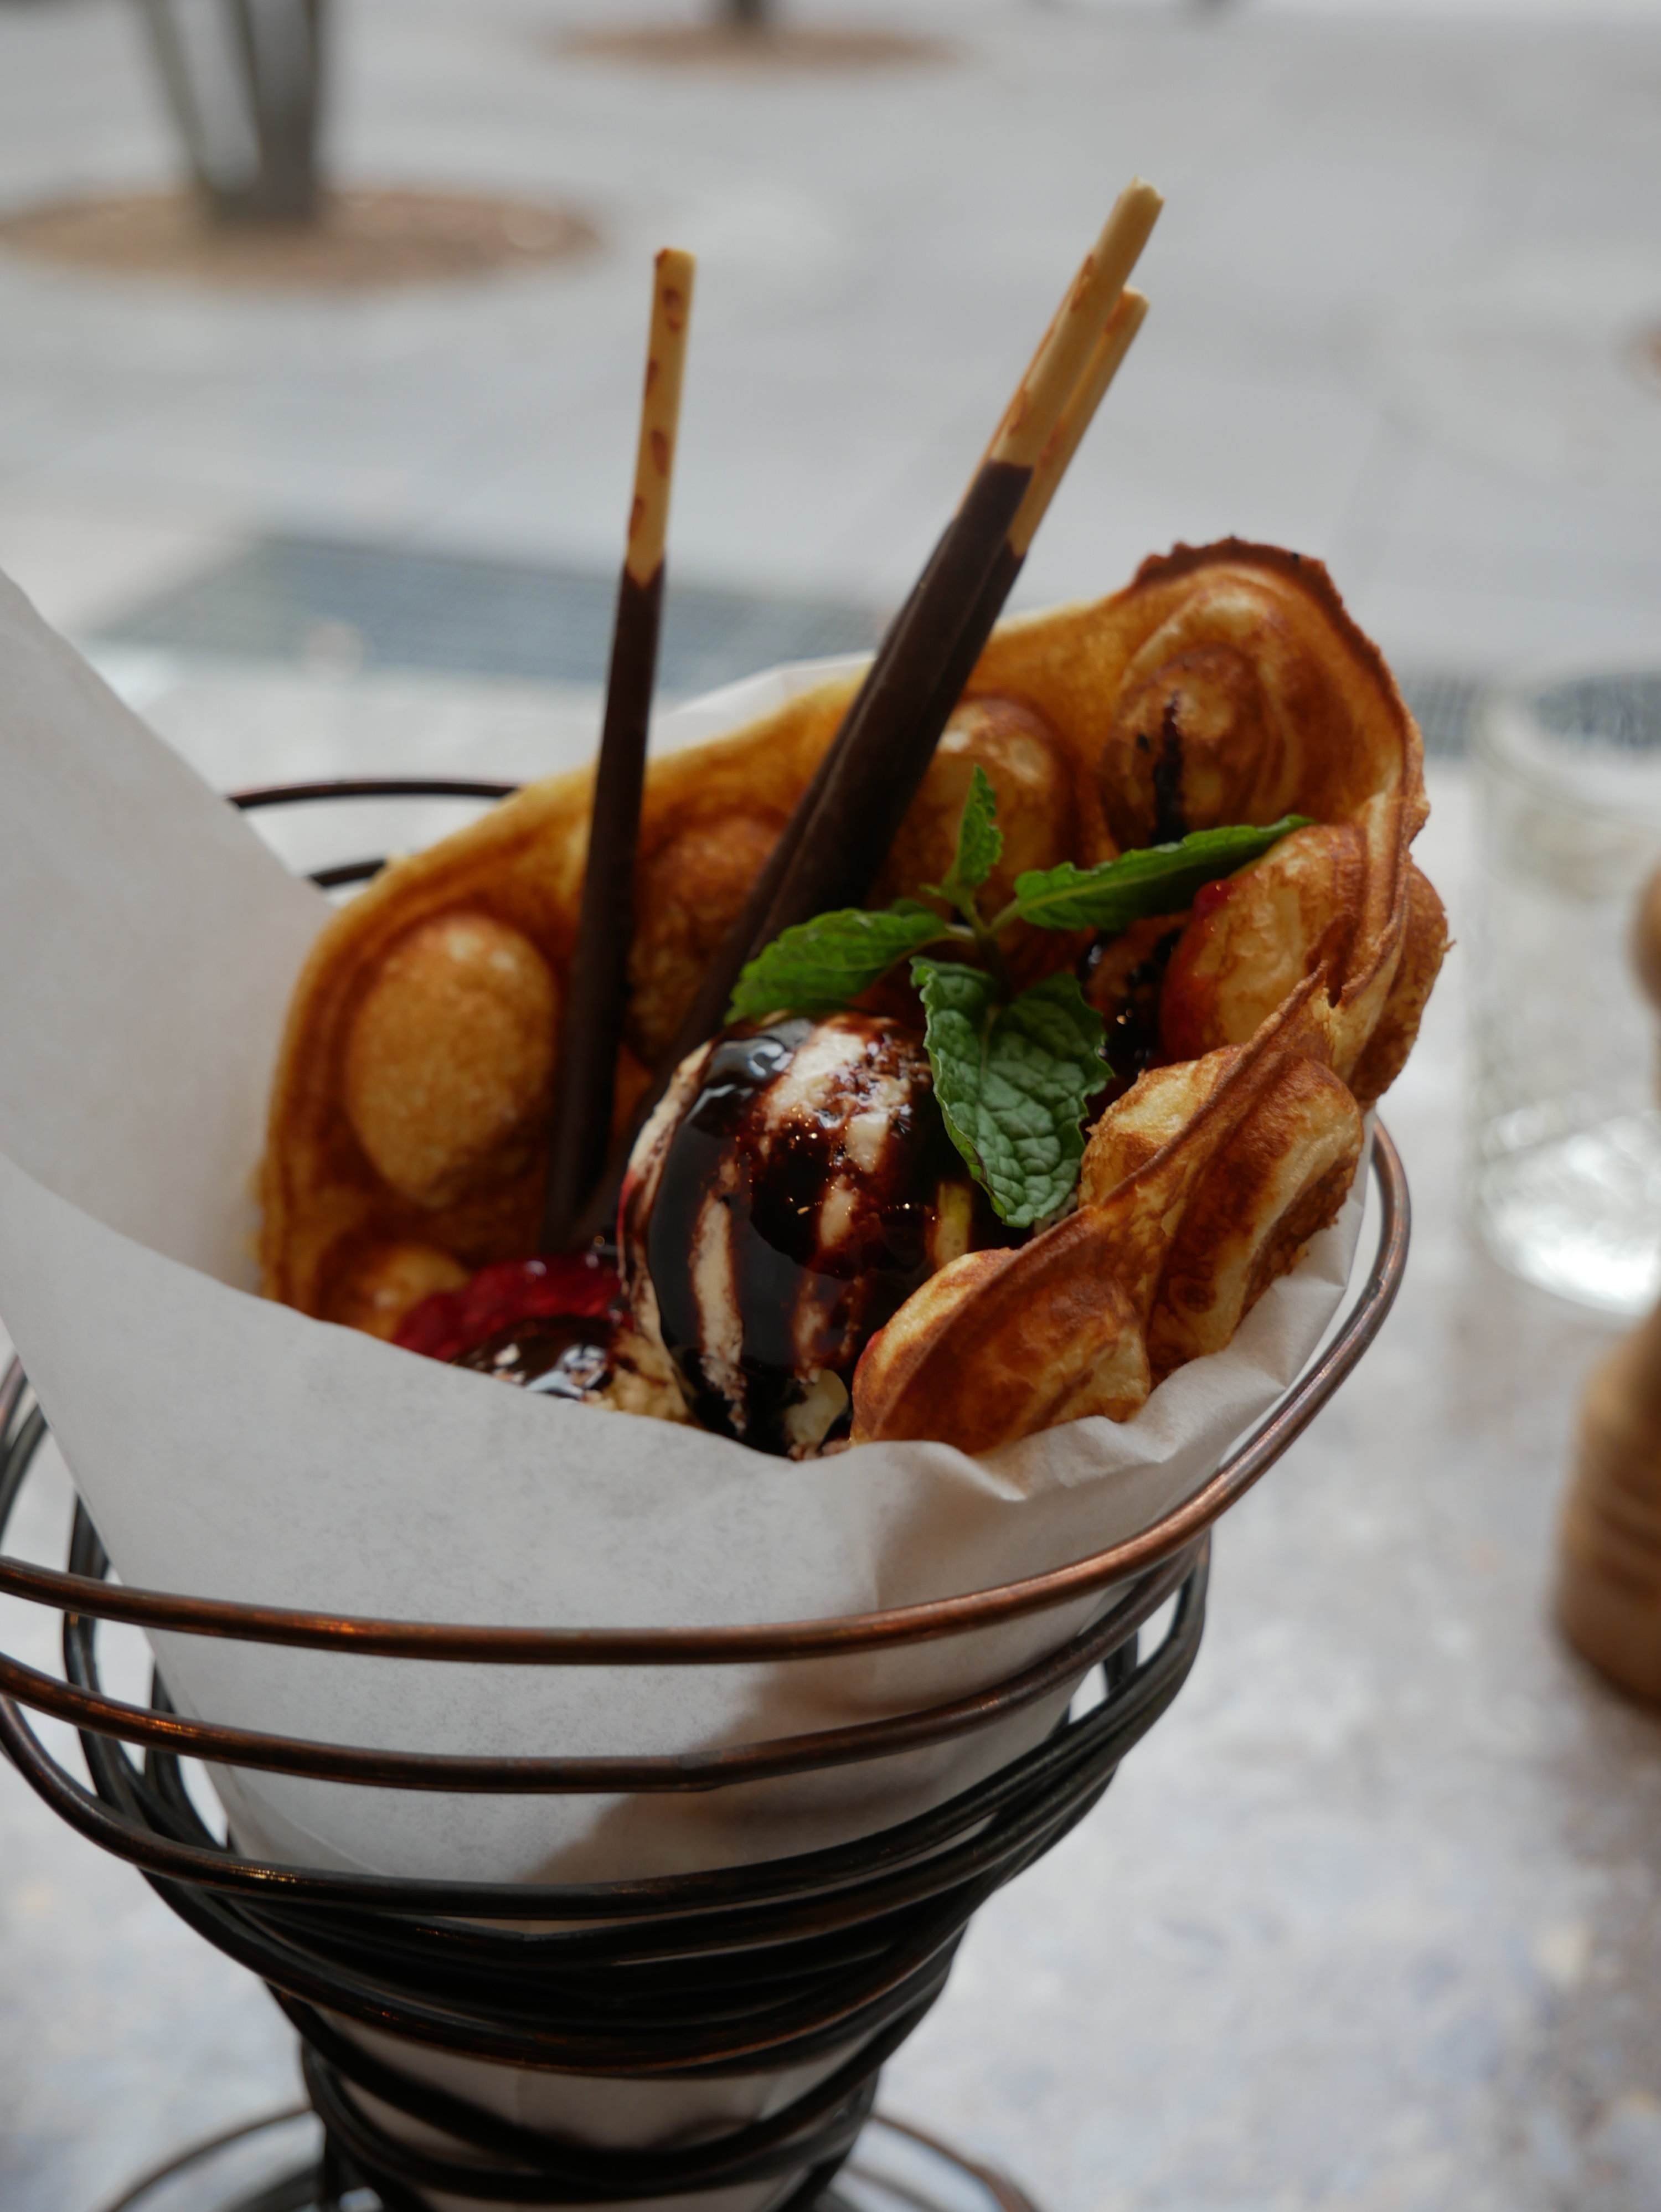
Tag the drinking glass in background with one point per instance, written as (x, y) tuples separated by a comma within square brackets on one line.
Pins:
[(1567, 1155)]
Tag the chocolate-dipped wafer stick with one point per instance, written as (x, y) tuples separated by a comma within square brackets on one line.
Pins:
[(592, 1024), (1099, 371)]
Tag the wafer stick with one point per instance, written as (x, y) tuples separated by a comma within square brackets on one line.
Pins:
[(1106, 357), (593, 1025), (1053, 374)]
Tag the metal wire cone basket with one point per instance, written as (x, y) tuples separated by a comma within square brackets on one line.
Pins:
[(819, 1964)]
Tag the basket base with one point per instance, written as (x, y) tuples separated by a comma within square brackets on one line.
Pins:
[(271, 2165)]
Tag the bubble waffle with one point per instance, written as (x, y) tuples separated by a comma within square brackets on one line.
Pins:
[(1225, 684)]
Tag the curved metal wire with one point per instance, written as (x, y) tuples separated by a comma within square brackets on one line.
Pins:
[(366, 786), (176, 1848), (679, 1771), (951, 2179), (829, 1958)]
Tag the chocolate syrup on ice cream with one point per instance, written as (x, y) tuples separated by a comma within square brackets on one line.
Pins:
[(805, 1192)]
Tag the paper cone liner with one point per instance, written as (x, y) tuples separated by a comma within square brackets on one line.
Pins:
[(228, 1448)]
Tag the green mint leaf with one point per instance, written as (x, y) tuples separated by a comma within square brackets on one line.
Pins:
[(980, 843), (1158, 879), (1012, 1081), (819, 965)]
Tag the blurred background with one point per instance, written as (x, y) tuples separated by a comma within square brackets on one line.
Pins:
[(319, 344)]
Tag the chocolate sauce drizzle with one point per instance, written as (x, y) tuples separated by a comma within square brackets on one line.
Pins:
[(1132, 1014), (555, 1355), (800, 1309), (1170, 814), (593, 1027)]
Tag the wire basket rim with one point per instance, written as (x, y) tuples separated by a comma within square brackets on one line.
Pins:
[(926, 1621)]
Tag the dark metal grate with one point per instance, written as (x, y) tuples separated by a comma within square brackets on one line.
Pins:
[(1620, 711), (319, 602), (300, 600)]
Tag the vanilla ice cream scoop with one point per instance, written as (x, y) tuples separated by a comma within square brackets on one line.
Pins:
[(794, 1188)]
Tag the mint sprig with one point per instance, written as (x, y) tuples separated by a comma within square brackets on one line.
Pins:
[(1014, 1078), (1013, 1072), (821, 964)]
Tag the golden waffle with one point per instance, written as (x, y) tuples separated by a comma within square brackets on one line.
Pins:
[(1225, 685)]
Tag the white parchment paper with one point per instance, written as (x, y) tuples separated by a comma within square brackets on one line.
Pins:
[(229, 1448)]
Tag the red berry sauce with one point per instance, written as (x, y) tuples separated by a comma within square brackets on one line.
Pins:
[(579, 1287)]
